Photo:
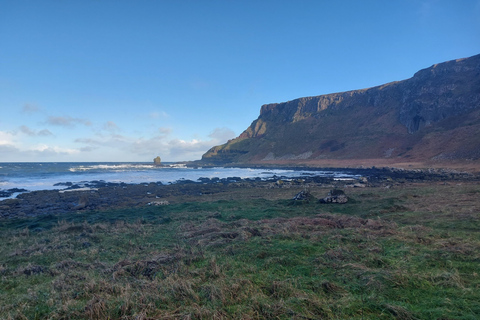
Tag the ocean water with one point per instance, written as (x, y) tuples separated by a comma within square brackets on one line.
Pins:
[(44, 176)]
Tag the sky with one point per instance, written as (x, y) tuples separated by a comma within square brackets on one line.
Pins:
[(116, 80)]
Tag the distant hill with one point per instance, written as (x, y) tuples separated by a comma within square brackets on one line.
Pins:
[(432, 117)]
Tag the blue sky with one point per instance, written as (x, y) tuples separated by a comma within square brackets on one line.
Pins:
[(98, 80)]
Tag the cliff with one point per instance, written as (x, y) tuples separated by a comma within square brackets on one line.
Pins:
[(433, 116)]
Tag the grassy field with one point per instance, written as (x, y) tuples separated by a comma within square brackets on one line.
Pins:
[(407, 252)]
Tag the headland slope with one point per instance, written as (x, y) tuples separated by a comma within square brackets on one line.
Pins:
[(429, 120)]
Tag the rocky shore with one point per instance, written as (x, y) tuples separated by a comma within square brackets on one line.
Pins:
[(101, 195)]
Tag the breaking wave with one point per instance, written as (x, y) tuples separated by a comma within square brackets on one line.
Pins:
[(113, 167), (48, 176)]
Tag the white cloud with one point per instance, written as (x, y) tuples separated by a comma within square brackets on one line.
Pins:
[(107, 146), (115, 141), (222, 135), (111, 126), (194, 147), (44, 148), (6, 138), (32, 133), (164, 131), (43, 152), (14, 148), (26, 130), (44, 133), (67, 121), (88, 149), (7, 149), (162, 143)]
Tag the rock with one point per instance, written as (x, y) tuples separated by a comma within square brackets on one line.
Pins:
[(303, 197), (335, 196), (63, 184), (10, 192), (159, 203), (33, 270), (438, 102)]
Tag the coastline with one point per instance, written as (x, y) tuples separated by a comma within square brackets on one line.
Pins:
[(466, 165), (100, 195), (159, 239)]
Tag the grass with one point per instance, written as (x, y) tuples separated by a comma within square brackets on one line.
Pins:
[(408, 252)]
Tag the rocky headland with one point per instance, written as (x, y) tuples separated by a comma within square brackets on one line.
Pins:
[(431, 119)]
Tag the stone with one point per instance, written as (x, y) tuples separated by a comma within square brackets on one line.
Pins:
[(335, 196), (159, 203), (302, 197), (32, 270)]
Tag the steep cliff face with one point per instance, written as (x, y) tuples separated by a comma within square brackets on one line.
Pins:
[(432, 116)]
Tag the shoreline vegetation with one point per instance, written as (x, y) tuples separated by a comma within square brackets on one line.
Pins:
[(406, 245)]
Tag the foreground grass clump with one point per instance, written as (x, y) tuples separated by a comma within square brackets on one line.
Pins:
[(402, 253)]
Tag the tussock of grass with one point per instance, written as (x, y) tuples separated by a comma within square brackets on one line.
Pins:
[(389, 254)]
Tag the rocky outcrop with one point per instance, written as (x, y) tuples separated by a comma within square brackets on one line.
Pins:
[(435, 115), (439, 92), (302, 197), (335, 196)]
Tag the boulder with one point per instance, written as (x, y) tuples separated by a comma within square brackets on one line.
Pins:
[(335, 196), (302, 197), (159, 203)]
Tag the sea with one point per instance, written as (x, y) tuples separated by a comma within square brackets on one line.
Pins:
[(56, 175)]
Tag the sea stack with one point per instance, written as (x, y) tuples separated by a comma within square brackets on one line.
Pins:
[(157, 161)]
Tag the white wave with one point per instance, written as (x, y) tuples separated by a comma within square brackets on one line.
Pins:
[(140, 173), (113, 167)]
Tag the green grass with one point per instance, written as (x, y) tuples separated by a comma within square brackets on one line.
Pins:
[(401, 253)]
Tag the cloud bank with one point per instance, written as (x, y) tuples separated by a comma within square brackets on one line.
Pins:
[(107, 142), (161, 143), (50, 137)]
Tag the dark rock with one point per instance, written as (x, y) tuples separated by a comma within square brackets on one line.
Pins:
[(74, 186), (335, 196), (122, 195), (63, 184), (184, 181), (302, 197), (32, 270), (10, 192), (16, 190)]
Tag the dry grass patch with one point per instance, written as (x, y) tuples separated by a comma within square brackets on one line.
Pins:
[(398, 253)]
